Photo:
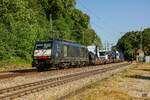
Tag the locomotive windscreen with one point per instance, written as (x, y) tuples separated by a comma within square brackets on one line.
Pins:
[(102, 53), (43, 46)]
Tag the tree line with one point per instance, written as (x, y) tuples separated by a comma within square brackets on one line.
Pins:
[(132, 41), (22, 22)]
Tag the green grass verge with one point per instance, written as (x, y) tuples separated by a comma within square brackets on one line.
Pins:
[(14, 64)]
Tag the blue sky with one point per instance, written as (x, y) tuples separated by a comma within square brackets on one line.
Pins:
[(112, 18)]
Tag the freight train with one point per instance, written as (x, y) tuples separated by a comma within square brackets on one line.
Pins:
[(60, 54)]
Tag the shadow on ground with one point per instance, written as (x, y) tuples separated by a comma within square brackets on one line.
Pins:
[(23, 71), (31, 70), (139, 77), (144, 69)]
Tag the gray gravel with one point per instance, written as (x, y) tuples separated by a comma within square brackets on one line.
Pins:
[(57, 92), (19, 80)]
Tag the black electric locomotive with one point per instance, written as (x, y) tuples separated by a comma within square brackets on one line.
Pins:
[(59, 54)]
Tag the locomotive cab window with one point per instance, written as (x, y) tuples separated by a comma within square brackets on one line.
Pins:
[(43, 46), (47, 45), (39, 46)]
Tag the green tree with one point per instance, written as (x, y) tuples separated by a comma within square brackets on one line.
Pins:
[(131, 42), (22, 22)]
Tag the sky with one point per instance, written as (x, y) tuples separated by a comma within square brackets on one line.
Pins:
[(112, 18)]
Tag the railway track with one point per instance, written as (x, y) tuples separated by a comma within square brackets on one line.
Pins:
[(23, 72), (25, 89)]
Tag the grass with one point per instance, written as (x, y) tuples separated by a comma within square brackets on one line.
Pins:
[(14, 64), (117, 87)]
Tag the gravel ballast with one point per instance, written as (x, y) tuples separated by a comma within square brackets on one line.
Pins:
[(29, 78), (60, 91)]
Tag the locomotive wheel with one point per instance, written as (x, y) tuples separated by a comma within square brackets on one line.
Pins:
[(39, 69)]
